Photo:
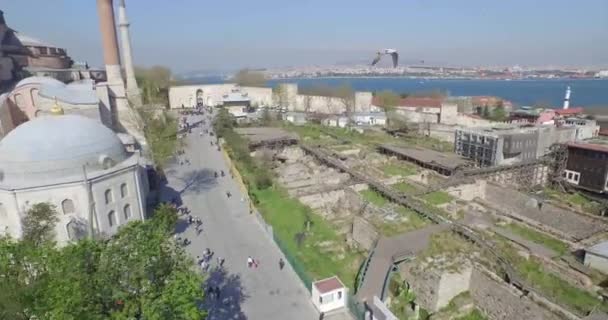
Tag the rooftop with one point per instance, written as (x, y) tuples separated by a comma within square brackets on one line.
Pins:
[(447, 160), (569, 111), (589, 146), (328, 285), (600, 249)]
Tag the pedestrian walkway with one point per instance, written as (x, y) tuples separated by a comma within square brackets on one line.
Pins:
[(407, 244), (265, 292)]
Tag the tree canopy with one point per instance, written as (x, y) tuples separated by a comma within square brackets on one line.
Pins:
[(387, 99), (39, 223), (139, 273), (249, 78), (154, 83)]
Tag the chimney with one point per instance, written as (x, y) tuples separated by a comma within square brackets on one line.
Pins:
[(567, 99), (109, 41)]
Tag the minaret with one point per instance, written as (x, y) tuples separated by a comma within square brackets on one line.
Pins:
[(567, 98), (124, 118), (125, 39)]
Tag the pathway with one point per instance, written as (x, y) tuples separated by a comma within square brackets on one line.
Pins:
[(233, 234)]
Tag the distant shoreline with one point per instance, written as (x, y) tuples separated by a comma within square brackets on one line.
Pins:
[(432, 79)]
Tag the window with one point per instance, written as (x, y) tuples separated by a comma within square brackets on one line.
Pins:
[(339, 295), (123, 190), (328, 298), (569, 175), (577, 177), (127, 212), (108, 196), (67, 206), (112, 218)]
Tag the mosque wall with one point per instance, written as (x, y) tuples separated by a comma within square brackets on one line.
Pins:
[(105, 108), (113, 194), (127, 196), (6, 120)]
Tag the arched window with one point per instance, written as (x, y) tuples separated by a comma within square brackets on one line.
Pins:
[(34, 96), (123, 190), (127, 211), (109, 197), (112, 218), (67, 206)]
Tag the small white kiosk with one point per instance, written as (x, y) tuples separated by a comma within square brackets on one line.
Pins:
[(329, 294)]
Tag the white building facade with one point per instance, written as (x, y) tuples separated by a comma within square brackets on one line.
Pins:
[(79, 166)]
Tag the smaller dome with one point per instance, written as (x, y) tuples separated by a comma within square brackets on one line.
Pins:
[(40, 80)]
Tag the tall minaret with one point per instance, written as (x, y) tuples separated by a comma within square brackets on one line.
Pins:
[(567, 98), (127, 58), (124, 118)]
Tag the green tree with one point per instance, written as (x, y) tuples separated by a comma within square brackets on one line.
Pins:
[(39, 223), (139, 273), (486, 112), (387, 100), (154, 83), (499, 113), (249, 78), (266, 117)]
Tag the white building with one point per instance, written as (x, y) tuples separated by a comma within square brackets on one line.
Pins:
[(596, 257), (329, 294), (45, 160)]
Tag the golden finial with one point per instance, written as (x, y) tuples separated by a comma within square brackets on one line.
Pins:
[(56, 110)]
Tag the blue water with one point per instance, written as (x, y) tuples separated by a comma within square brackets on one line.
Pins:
[(585, 93)]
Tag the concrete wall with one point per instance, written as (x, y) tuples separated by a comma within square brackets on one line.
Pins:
[(453, 284), (449, 113), (364, 233), (596, 262), (6, 120), (417, 117), (501, 302)]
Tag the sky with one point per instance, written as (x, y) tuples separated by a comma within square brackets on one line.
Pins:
[(192, 35)]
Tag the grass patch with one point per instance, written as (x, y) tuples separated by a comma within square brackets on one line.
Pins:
[(539, 238), (575, 200), (473, 315), (374, 197), (404, 187), (411, 221), (288, 218), (398, 169), (551, 285), (437, 198)]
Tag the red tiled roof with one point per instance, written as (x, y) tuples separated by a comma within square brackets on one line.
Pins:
[(426, 102), (589, 146), (329, 284), (575, 110)]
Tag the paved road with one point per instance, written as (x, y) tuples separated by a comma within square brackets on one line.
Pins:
[(233, 234)]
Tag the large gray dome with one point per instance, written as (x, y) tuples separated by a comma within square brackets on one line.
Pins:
[(53, 147)]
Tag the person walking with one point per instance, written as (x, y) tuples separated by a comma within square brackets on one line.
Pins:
[(249, 262), (281, 263)]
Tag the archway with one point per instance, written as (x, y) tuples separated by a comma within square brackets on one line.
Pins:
[(200, 101)]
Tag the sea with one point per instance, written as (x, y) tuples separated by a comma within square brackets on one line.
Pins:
[(547, 92)]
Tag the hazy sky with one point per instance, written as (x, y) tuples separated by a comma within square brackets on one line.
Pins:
[(229, 34)]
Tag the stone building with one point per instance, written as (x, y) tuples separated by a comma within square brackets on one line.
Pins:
[(76, 164), (212, 95)]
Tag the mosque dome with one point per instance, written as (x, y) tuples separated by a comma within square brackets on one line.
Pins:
[(40, 80), (54, 147)]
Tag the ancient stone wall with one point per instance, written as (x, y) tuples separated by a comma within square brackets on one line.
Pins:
[(364, 233), (469, 191), (498, 301)]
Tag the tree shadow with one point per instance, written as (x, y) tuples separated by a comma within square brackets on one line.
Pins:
[(170, 195), (197, 180), (228, 304)]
